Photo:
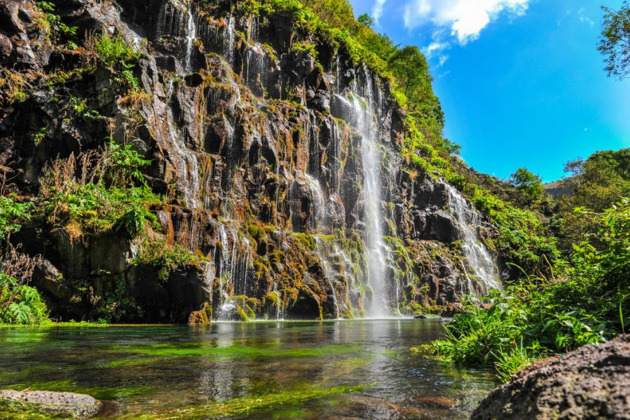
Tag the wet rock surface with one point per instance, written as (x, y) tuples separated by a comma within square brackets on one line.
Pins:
[(58, 403), (591, 382)]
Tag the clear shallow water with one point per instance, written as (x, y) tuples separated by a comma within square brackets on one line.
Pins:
[(337, 369)]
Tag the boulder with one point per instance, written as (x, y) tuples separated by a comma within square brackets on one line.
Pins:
[(591, 382), (64, 404)]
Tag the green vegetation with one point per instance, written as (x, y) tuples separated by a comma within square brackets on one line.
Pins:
[(542, 316), (158, 253), (97, 192), (528, 185), (119, 57), (92, 193), (19, 303), (12, 215), (21, 410)]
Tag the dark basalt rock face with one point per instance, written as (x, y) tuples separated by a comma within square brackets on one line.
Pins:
[(591, 382), (256, 147)]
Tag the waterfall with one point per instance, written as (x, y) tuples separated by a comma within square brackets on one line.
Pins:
[(480, 262), (371, 158), (233, 270)]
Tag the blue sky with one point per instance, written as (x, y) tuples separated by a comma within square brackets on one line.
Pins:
[(521, 81)]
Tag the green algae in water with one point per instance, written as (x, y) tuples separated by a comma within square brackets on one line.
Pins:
[(253, 404), (131, 362), (245, 352)]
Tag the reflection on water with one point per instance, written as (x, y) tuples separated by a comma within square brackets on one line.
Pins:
[(239, 370)]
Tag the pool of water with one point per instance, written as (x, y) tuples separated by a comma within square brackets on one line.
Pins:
[(336, 369)]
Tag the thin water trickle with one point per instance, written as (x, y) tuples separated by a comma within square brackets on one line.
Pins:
[(229, 41), (319, 202), (186, 160), (329, 274), (191, 35)]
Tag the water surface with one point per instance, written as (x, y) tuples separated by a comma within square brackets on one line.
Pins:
[(336, 369)]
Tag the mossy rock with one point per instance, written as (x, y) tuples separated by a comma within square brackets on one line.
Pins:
[(47, 404)]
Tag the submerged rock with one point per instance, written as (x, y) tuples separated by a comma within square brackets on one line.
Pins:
[(591, 382), (59, 403)]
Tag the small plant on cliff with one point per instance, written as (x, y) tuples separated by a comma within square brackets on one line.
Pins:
[(120, 57)]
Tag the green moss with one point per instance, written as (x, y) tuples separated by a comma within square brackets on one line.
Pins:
[(242, 314)]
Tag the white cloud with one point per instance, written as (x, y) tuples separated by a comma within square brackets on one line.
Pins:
[(435, 47), (465, 18), (377, 10), (585, 19), (437, 50)]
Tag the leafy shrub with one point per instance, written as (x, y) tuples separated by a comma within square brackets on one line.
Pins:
[(20, 304), (12, 215)]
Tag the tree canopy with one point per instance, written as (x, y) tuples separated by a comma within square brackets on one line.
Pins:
[(615, 40)]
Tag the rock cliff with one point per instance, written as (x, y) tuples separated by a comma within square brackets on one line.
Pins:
[(278, 157)]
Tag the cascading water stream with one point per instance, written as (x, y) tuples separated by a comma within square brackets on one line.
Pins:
[(480, 261), (191, 35)]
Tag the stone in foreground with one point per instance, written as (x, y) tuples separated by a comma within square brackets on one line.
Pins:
[(592, 382), (62, 403)]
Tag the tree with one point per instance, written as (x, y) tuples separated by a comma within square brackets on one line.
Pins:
[(615, 41), (365, 20), (528, 185), (414, 79)]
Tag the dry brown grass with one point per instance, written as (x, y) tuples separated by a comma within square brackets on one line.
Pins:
[(13, 86), (17, 265)]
